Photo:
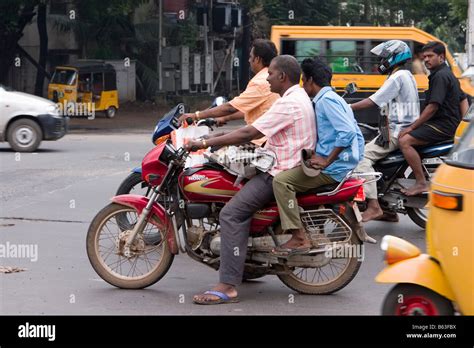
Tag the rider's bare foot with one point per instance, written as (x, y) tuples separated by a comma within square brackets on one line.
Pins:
[(371, 213), (416, 189), (390, 216), (297, 243), (226, 289)]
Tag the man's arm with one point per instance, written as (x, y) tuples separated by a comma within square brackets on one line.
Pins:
[(239, 115), (464, 106), (388, 91), (322, 162), (363, 104), (219, 111), (239, 136)]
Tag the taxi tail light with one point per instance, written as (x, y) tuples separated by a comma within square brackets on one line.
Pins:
[(448, 201)]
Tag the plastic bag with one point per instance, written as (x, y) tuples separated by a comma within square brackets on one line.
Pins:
[(183, 135)]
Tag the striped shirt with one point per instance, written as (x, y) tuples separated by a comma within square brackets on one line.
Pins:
[(290, 127)]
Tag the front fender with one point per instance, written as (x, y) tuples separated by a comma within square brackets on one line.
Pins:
[(421, 270), (158, 216)]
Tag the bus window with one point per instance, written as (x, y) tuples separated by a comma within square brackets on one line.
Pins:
[(301, 49), (344, 56)]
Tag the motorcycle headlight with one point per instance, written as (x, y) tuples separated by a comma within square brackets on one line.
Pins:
[(397, 249)]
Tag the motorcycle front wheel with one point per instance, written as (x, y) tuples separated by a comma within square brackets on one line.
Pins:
[(148, 262)]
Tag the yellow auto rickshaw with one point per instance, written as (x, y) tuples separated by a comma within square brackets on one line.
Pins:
[(440, 282), (85, 87), (464, 123)]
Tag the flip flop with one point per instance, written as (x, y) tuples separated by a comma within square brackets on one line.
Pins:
[(290, 251), (223, 298)]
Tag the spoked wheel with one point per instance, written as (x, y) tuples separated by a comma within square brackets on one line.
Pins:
[(333, 271), (150, 258), (411, 299)]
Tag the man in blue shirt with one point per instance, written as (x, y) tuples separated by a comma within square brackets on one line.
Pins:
[(339, 148)]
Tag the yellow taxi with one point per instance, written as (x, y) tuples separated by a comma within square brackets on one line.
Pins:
[(441, 281), (464, 123)]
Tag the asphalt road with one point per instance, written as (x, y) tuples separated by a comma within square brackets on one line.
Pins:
[(48, 199)]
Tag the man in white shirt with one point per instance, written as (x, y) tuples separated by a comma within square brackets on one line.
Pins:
[(399, 104)]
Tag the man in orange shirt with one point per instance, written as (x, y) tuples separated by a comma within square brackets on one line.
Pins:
[(257, 97)]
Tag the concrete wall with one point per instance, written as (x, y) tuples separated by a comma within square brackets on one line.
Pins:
[(126, 84)]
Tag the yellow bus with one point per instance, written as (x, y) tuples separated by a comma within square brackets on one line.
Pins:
[(347, 51)]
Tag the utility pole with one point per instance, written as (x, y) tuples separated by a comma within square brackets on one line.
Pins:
[(160, 45), (470, 40)]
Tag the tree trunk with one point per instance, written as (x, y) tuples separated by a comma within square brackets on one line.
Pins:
[(9, 40), (43, 53)]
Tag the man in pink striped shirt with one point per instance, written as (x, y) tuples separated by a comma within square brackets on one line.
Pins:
[(289, 126)]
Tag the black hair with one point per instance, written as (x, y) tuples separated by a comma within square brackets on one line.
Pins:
[(265, 49), (288, 65), (436, 47), (317, 70)]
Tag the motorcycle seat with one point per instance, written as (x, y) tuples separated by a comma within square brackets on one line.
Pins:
[(320, 189), (424, 149)]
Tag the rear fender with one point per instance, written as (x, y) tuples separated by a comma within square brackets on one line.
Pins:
[(158, 216), (421, 270)]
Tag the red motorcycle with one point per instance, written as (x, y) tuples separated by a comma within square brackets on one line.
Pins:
[(131, 242)]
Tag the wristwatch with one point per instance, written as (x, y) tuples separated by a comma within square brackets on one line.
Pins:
[(204, 144)]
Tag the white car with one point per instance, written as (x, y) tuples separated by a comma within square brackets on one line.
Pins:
[(26, 120)]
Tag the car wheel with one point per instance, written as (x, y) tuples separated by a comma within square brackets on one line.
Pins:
[(111, 112), (24, 135)]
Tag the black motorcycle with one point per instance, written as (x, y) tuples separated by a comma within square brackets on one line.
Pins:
[(397, 174)]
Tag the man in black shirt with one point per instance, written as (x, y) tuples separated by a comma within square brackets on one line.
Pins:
[(440, 117)]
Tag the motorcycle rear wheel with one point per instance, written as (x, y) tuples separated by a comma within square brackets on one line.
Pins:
[(304, 287), (103, 222), (418, 215), (132, 184)]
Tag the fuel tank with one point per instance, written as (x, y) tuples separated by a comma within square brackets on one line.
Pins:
[(208, 183)]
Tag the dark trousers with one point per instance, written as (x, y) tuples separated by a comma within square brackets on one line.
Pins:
[(235, 220)]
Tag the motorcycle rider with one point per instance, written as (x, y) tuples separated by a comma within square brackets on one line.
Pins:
[(399, 107), (289, 127), (257, 97), (339, 148), (439, 119)]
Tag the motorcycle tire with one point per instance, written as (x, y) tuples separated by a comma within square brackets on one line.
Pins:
[(131, 182), (104, 271), (293, 282), (416, 300), (415, 214)]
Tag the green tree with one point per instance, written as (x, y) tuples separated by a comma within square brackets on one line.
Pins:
[(14, 16)]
